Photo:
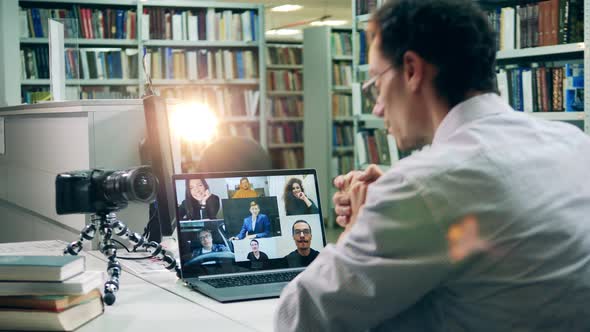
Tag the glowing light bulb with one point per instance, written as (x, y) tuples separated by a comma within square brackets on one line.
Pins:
[(194, 122)]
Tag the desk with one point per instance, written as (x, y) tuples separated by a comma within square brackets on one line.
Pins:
[(161, 302)]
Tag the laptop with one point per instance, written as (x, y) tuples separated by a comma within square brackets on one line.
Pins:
[(245, 235)]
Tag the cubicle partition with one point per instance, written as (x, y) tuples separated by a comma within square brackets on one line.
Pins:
[(39, 141)]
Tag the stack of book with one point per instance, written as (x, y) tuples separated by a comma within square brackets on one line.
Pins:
[(48, 293)]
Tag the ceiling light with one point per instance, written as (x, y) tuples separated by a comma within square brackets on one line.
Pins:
[(331, 23), (286, 8), (283, 32)]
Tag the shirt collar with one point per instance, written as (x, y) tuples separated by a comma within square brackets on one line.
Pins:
[(467, 111)]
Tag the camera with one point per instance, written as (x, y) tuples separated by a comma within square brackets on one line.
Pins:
[(103, 191)]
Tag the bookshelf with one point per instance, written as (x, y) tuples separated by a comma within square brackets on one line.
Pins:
[(524, 52), (328, 118), (543, 65), (206, 50), (284, 77), (373, 144)]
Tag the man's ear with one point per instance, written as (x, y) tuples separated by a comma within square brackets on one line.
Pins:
[(414, 70)]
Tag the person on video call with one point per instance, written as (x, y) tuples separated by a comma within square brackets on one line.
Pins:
[(199, 202), (245, 190), (256, 257), (256, 225), (296, 201), (485, 230), (207, 244), (304, 254)]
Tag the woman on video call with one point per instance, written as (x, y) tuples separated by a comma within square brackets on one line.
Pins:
[(199, 202), (296, 201)]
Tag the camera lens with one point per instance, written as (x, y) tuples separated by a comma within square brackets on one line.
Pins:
[(143, 186), (136, 184)]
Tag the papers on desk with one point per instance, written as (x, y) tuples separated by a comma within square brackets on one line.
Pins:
[(33, 248), (143, 266)]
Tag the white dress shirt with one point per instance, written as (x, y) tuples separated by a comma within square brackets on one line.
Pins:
[(525, 182)]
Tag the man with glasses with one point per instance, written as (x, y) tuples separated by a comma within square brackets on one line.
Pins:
[(485, 230), (207, 244), (304, 254)]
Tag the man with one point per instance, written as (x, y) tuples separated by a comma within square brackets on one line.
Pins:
[(485, 230), (245, 191), (257, 225), (207, 245), (304, 254)]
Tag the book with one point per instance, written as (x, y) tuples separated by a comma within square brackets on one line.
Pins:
[(80, 284), (40, 268), (38, 320), (54, 303)]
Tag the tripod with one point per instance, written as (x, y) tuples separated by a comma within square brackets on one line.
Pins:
[(107, 224)]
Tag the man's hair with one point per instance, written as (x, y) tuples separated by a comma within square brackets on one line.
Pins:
[(299, 221), (242, 179), (254, 240), (253, 203), (453, 35), (205, 231)]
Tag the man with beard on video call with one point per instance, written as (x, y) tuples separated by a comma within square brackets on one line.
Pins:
[(304, 254)]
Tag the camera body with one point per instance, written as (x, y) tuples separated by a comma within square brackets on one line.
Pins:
[(103, 191)]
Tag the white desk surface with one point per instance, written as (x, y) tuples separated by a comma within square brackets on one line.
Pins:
[(161, 302), (179, 305)]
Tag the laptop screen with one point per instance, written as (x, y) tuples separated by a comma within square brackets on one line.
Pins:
[(247, 221)]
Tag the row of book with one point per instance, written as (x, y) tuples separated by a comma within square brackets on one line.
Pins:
[(284, 80), (225, 101), (35, 95), (240, 129), (341, 43), (104, 92), (203, 24), (88, 23), (169, 63), (49, 293), (373, 147), (289, 158), (82, 64), (341, 105), (543, 23), (363, 49), (367, 6), (341, 74), (34, 63), (288, 132), (543, 88), (284, 55), (343, 135), (282, 107), (342, 164), (101, 64)]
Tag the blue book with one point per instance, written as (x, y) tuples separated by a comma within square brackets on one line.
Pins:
[(169, 63), (240, 64), (254, 26), (37, 27), (40, 268), (119, 24), (574, 87)]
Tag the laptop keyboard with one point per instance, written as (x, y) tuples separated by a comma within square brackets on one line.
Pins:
[(252, 279)]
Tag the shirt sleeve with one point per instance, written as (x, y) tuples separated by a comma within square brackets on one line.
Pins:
[(393, 256)]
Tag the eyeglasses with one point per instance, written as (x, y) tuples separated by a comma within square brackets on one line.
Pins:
[(371, 92), (304, 231), (203, 237)]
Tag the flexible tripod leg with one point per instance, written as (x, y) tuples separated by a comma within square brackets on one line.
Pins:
[(86, 234), (108, 249), (108, 225)]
